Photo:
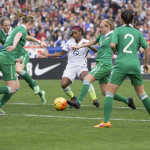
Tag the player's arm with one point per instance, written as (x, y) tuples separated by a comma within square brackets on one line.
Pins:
[(146, 66), (113, 47), (88, 44), (93, 49), (43, 55), (30, 38), (16, 40)]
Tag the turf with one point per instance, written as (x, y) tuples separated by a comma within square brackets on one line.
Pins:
[(28, 125)]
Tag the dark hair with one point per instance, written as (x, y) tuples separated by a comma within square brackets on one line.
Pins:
[(78, 28), (3, 19), (25, 18), (127, 16)]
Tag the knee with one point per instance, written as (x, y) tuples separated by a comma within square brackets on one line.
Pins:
[(104, 93), (18, 70), (64, 85), (12, 90)]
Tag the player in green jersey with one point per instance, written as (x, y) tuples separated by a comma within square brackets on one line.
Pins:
[(13, 44), (4, 32), (126, 40), (103, 68)]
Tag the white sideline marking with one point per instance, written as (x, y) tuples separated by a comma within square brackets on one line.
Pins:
[(67, 117), (29, 104)]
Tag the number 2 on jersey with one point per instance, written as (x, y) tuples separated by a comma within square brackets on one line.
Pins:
[(125, 50)]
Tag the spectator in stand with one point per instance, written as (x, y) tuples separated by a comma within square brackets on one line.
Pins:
[(41, 34)]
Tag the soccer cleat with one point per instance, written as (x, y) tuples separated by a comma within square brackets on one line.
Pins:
[(74, 104), (36, 89), (103, 125), (72, 99), (131, 103), (1, 111), (43, 98), (96, 103)]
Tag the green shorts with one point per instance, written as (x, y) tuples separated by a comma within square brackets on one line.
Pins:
[(25, 59), (7, 67), (117, 78), (102, 73)]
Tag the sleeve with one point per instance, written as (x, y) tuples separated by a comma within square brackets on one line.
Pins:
[(143, 42), (115, 37), (66, 47)]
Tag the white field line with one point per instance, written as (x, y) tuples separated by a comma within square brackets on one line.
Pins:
[(67, 117), (29, 104)]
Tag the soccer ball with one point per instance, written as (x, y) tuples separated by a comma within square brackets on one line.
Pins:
[(60, 103)]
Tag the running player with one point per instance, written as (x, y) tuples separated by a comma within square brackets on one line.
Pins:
[(126, 40), (103, 68), (12, 47), (77, 63), (4, 32)]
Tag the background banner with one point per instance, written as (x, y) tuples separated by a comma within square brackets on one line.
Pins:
[(52, 68)]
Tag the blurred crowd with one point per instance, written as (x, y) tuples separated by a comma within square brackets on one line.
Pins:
[(54, 18)]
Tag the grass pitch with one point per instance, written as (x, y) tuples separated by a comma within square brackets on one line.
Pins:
[(28, 125)]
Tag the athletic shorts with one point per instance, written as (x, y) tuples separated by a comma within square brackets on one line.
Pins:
[(72, 71), (7, 67), (102, 73), (25, 59), (117, 78)]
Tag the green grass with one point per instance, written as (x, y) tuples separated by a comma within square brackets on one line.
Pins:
[(30, 126)]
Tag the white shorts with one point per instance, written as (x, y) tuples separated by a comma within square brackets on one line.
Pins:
[(72, 71)]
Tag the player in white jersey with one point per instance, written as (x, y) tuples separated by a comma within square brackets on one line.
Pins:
[(77, 63)]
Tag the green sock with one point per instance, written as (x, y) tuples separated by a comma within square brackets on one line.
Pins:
[(146, 101), (68, 92), (108, 105), (84, 90), (4, 99), (92, 92), (4, 90), (120, 98), (28, 79)]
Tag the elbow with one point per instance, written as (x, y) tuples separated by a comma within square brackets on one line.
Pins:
[(113, 45)]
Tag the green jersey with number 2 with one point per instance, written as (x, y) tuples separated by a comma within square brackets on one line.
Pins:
[(128, 40)]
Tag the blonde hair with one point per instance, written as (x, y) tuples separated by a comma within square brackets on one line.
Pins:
[(109, 23), (25, 18)]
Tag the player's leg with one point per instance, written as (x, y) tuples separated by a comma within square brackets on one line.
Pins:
[(87, 88), (22, 71), (137, 81), (9, 75), (68, 77)]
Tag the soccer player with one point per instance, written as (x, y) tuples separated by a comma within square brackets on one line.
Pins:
[(4, 32), (103, 68), (11, 50), (77, 63), (126, 40)]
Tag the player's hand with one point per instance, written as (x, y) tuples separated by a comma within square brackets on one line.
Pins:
[(42, 44), (146, 68), (42, 55), (10, 48), (19, 61)]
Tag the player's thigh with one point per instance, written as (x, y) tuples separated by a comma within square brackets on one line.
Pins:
[(100, 71), (70, 72), (65, 81), (19, 67), (117, 78), (103, 88), (83, 75), (112, 88), (89, 77), (8, 69), (136, 79), (82, 71)]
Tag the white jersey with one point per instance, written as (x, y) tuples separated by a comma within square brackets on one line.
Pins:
[(79, 56)]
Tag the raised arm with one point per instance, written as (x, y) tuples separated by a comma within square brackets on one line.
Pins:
[(43, 55), (16, 40), (30, 38), (88, 44)]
